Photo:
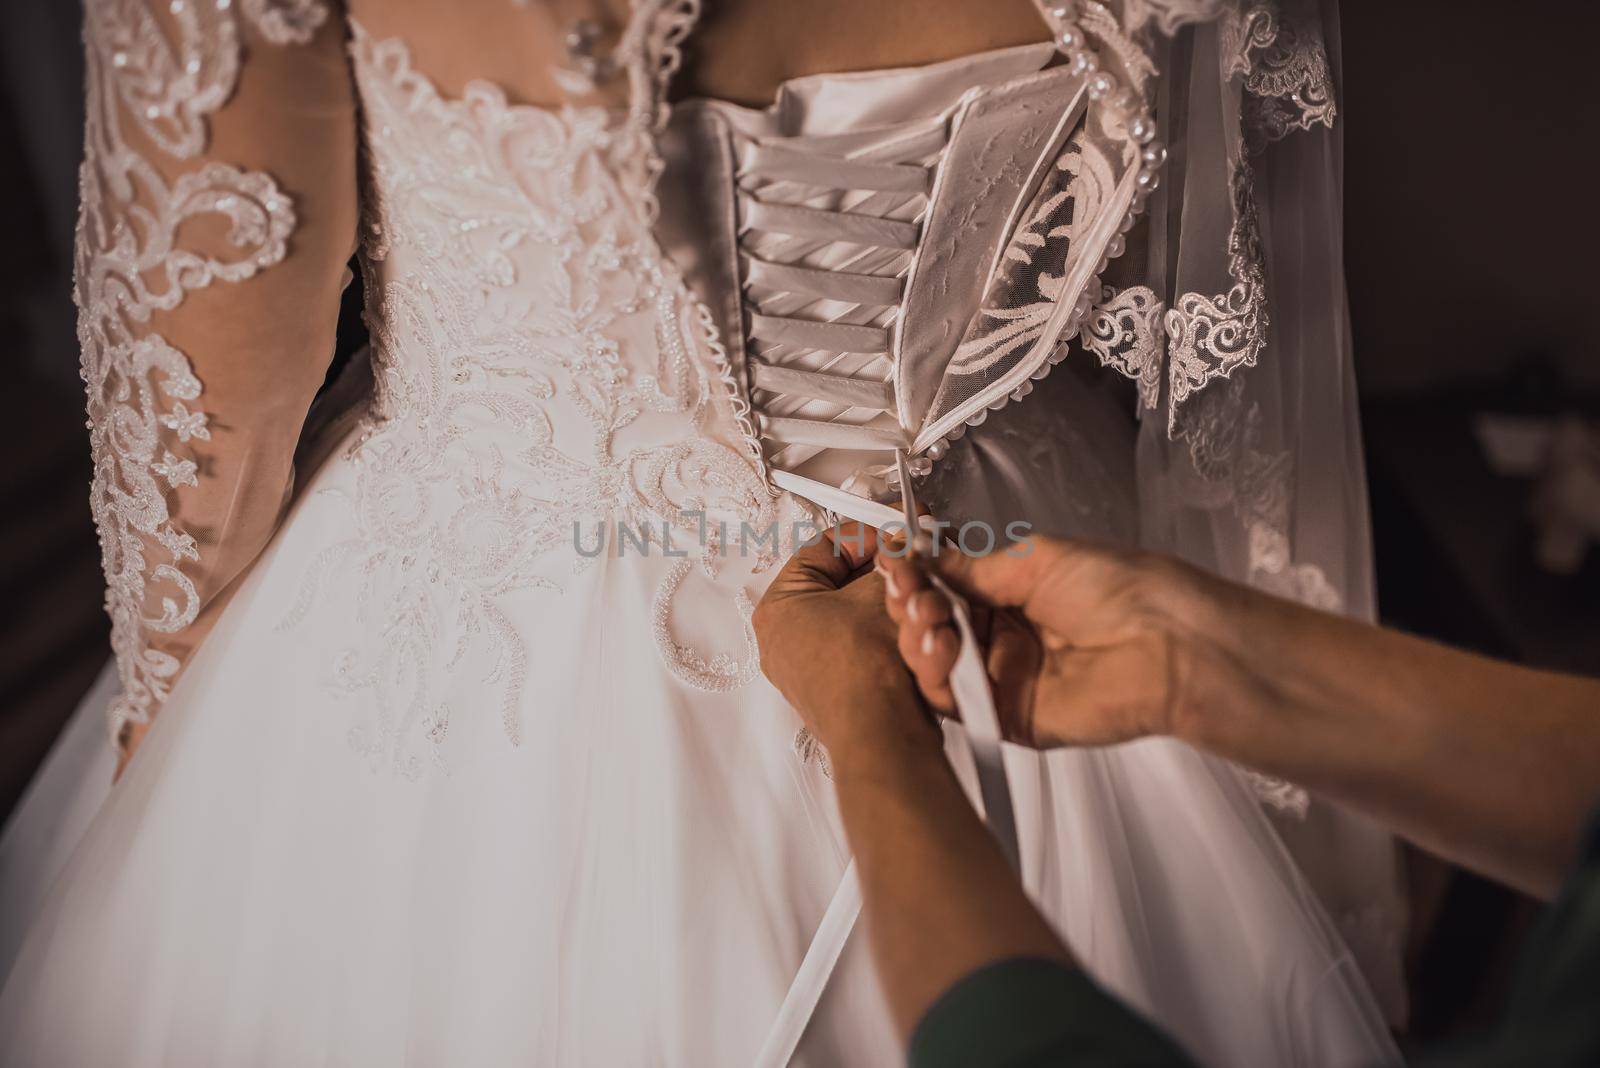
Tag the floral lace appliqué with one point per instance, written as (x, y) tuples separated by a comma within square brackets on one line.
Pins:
[(1124, 331), (1212, 335), (1288, 84), (543, 376), (1032, 272)]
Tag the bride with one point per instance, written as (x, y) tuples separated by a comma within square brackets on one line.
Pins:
[(445, 737)]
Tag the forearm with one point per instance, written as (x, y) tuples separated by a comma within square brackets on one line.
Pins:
[(940, 899), (1490, 764)]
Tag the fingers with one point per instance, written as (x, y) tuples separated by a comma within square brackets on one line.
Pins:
[(854, 543), (927, 609), (1004, 578), (901, 579), (826, 564), (928, 644), (926, 639)]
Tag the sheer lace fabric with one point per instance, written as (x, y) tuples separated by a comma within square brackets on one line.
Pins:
[(1228, 313), (197, 382), (1218, 342)]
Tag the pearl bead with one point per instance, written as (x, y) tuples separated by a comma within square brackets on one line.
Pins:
[(1070, 39), (956, 433), (1127, 223), (1063, 12), (977, 417), (938, 449), (1116, 247), (1149, 181), (1022, 391), (1142, 129), (1084, 63), (1100, 85), (1155, 154), (920, 466)]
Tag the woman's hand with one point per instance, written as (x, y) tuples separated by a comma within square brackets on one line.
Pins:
[(1084, 645), (829, 647), (941, 898)]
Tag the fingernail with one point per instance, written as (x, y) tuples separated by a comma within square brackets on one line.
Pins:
[(929, 645), (914, 609), (890, 584)]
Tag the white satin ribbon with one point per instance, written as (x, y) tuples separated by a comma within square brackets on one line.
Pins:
[(821, 385), (828, 225), (828, 337), (778, 161), (882, 290), (830, 435)]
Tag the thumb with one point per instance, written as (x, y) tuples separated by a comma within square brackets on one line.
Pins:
[(825, 564), (1002, 579)]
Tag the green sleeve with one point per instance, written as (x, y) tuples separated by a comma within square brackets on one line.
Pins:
[(1027, 1011), (1552, 1018), (1030, 1012)]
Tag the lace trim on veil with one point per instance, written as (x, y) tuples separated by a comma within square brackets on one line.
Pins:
[(1274, 55), (1285, 84)]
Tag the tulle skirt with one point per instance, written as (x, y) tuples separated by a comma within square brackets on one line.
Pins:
[(306, 864)]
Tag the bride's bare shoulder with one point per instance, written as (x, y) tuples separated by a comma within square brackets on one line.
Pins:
[(745, 48), (518, 46), (741, 50)]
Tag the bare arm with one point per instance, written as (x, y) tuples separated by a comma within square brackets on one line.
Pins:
[(939, 898), (1492, 765)]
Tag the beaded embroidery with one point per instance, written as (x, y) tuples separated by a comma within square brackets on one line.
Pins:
[(512, 277)]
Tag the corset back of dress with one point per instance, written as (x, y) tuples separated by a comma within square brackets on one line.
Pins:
[(872, 263), (894, 254)]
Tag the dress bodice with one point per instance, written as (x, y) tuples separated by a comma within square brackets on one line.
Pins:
[(885, 256), (894, 254), (523, 314)]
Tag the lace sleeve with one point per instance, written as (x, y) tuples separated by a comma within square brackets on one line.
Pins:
[(218, 212)]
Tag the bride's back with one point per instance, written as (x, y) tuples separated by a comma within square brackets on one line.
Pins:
[(740, 51)]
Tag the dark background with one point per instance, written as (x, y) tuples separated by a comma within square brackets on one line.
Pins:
[(1470, 138)]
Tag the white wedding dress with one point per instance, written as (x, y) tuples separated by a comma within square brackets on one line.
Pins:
[(442, 785)]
